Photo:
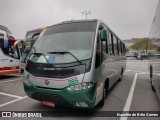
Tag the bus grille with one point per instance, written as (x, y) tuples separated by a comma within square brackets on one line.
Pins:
[(57, 73), (50, 73)]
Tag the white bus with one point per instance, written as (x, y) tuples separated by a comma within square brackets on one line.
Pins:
[(74, 64), (9, 53), (154, 64)]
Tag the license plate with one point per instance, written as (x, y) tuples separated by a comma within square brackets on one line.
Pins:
[(51, 104)]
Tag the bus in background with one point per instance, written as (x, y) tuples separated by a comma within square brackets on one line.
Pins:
[(26, 44), (9, 53), (154, 64), (74, 64)]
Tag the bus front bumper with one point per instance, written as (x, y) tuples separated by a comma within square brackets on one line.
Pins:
[(63, 97)]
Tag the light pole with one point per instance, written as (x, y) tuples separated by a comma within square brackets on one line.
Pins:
[(86, 13)]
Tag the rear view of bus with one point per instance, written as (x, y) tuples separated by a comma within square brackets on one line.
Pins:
[(9, 53), (71, 64)]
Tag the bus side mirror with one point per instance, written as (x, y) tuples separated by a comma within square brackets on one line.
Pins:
[(103, 35)]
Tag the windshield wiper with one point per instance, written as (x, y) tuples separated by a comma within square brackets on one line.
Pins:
[(64, 52)]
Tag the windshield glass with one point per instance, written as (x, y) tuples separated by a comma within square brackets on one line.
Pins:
[(75, 38), (24, 47), (28, 43)]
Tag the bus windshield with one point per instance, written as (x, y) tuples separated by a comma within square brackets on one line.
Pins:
[(75, 38), (7, 46)]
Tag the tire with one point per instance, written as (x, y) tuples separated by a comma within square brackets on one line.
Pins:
[(120, 78), (151, 72), (152, 85), (151, 76), (105, 92), (101, 103), (22, 71)]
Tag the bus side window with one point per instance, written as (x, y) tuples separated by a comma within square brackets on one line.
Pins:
[(98, 53), (106, 43), (111, 45), (119, 44), (124, 49), (115, 45), (104, 49), (121, 48)]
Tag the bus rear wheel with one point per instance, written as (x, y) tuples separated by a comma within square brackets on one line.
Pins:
[(120, 78), (151, 77), (152, 85)]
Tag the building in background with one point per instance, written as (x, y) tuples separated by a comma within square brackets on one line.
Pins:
[(130, 42)]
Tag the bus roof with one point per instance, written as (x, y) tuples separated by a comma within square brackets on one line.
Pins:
[(74, 21), (5, 29), (35, 30)]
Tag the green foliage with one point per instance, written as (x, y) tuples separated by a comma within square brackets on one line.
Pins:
[(143, 44)]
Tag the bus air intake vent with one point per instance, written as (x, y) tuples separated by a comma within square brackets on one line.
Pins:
[(44, 71)]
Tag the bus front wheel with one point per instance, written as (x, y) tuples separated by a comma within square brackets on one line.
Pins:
[(101, 103), (105, 92)]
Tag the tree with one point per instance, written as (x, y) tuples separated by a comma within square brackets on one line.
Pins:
[(143, 44)]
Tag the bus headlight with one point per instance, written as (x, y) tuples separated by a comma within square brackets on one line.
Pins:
[(81, 86)]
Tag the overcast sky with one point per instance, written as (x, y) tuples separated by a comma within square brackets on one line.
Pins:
[(127, 18)]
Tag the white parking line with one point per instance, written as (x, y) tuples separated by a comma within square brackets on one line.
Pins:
[(13, 101), (10, 80), (137, 71), (157, 74), (19, 74), (10, 95), (137, 62), (130, 96)]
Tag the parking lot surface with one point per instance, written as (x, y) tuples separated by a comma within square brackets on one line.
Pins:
[(133, 93)]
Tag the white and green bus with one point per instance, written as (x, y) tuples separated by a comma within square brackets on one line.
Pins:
[(74, 64)]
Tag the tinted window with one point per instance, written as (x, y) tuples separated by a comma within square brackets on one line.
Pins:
[(119, 44), (124, 49), (1, 40), (71, 27), (115, 45), (121, 48), (111, 44)]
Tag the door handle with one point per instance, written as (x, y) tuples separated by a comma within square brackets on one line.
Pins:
[(11, 60)]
